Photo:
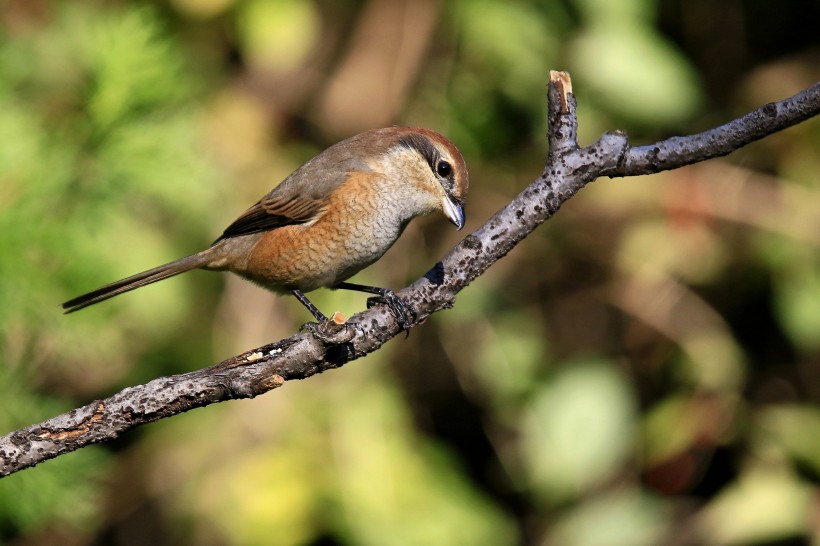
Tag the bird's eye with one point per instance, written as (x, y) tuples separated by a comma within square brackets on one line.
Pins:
[(444, 169)]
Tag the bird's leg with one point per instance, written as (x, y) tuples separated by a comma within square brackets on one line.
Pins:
[(309, 304), (400, 309), (324, 329)]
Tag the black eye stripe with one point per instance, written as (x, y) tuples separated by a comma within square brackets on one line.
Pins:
[(423, 146)]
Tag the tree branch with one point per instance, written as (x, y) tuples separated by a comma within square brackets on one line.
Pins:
[(680, 151), (569, 168)]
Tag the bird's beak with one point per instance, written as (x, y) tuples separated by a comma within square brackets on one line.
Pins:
[(454, 211)]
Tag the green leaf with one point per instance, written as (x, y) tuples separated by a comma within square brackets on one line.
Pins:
[(579, 429)]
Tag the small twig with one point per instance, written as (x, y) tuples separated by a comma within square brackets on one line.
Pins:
[(260, 370)]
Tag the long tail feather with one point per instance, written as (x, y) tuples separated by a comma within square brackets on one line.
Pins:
[(136, 281)]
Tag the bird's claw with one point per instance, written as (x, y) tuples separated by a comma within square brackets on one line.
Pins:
[(330, 332), (400, 308)]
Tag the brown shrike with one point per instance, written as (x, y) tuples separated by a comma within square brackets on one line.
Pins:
[(335, 215)]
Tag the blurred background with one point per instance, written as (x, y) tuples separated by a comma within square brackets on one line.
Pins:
[(644, 369)]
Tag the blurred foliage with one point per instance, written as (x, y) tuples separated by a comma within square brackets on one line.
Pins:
[(644, 369)]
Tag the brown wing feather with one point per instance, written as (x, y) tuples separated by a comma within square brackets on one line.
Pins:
[(304, 195), (269, 213)]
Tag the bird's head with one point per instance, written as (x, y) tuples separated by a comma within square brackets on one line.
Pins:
[(427, 167)]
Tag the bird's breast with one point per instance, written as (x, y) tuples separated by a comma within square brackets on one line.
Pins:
[(354, 231)]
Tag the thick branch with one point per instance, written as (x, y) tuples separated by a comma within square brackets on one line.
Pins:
[(568, 169)]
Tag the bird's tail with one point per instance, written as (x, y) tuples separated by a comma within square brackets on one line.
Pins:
[(136, 281)]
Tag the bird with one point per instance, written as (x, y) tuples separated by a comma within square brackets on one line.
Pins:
[(329, 219)]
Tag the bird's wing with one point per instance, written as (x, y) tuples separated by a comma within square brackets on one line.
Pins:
[(300, 198), (272, 212), (304, 195)]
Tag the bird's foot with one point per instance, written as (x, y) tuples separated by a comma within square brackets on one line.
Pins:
[(400, 308), (331, 331)]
